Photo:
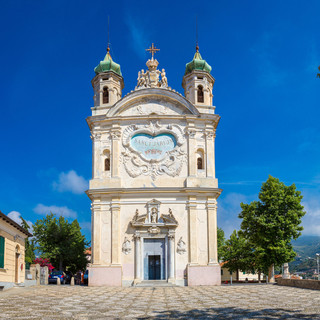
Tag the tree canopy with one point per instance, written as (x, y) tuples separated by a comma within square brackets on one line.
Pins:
[(271, 223), (62, 242), (29, 245), (221, 241)]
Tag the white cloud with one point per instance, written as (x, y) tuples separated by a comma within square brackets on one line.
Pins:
[(16, 216), (59, 211), (70, 181), (138, 35)]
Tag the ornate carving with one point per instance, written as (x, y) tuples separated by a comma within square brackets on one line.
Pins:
[(169, 218), (150, 78), (126, 246), (181, 246), (136, 163), (154, 230), (153, 217), (115, 133), (210, 134), (191, 132)]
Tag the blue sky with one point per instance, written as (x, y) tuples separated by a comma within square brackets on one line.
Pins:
[(264, 57)]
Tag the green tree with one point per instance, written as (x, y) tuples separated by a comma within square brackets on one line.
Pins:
[(62, 242), (221, 241), (238, 253), (29, 245), (271, 223)]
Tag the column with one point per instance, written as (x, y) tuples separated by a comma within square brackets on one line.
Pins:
[(96, 232), (212, 231), (115, 231), (191, 132), (171, 273), (137, 257), (115, 152), (210, 161), (193, 243)]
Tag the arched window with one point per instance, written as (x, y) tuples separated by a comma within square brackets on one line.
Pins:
[(105, 95), (107, 164), (199, 163), (200, 159), (200, 94)]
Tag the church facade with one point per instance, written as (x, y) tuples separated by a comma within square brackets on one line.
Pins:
[(153, 189)]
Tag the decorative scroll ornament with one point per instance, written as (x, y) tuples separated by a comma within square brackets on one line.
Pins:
[(153, 150), (126, 246), (181, 246)]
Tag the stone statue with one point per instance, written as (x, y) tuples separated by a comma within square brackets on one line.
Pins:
[(181, 246), (154, 215), (136, 215), (171, 214), (126, 246), (164, 80)]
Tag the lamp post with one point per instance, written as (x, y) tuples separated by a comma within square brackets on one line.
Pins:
[(318, 255)]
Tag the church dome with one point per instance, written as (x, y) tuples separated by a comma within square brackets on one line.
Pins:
[(197, 63), (108, 65)]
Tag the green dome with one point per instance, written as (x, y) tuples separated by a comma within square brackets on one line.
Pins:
[(197, 64), (107, 65)]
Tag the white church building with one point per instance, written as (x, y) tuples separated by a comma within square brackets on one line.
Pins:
[(153, 189)]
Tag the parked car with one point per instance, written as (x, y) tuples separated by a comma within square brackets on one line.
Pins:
[(54, 275), (69, 275), (85, 277)]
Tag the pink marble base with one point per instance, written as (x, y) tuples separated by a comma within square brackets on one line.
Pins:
[(204, 275), (105, 276)]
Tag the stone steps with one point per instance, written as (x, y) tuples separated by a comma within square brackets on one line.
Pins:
[(155, 283)]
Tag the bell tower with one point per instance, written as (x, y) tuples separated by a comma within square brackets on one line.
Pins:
[(107, 84), (198, 83)]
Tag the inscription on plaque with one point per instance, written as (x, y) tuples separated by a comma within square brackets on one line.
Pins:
[(153, 147)]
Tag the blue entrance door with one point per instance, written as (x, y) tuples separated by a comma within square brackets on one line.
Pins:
[(154, 259)]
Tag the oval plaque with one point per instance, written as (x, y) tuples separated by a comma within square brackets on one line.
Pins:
[(153, 147)]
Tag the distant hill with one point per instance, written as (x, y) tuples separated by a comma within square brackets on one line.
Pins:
[(307, 246)]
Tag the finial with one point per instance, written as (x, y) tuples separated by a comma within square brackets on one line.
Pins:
[(197, 45), (152, 50), (108, 47)]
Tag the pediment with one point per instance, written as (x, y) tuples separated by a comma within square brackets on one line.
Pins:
[(152, 101)]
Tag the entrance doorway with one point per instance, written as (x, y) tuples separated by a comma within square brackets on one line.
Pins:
[(154, 264), (154, 261)]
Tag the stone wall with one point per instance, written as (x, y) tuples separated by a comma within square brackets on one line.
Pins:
[(300, 283)]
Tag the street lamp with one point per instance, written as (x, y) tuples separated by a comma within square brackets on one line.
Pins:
[(318, 255)]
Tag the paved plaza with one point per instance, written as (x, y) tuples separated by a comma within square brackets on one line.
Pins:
[(225, 302)]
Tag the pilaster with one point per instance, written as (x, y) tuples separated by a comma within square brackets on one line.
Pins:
[(171, 273), (191, 133), (115, 135), (115, 232), (96, 232), (193, 228), (210, 156), (212, 231)]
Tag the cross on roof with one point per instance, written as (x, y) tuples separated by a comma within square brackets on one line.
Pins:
[(152, 50)]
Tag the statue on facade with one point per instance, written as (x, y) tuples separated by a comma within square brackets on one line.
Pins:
[(181, 246), (126, 246), (154, 215), (164, 80)]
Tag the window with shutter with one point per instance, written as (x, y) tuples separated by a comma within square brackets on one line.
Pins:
[(1, 252)]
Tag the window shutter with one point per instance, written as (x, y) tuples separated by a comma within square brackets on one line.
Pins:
[(1, 252)]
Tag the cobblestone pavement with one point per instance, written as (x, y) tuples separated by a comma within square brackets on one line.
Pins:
[(225, 302)]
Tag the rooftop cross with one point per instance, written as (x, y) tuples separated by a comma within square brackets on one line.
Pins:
[(152, 50)]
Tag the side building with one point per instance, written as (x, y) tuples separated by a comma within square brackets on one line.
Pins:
[(12, 252), (154, 189)]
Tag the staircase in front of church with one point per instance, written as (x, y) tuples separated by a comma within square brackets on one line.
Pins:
[(155, 283)]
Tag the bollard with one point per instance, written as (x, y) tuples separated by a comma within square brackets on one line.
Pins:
[(72, 281), (58, 281), (231, 281)]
